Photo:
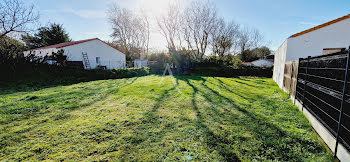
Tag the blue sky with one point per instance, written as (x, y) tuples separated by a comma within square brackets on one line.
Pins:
[(275, 19)]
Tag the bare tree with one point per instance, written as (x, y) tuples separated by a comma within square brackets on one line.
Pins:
[(249, 38), (130, 30), (15, 17), (169, 25), (224, 37), (146, 27), (199, 19)]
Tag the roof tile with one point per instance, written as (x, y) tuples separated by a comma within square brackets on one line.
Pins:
[(61, 45)]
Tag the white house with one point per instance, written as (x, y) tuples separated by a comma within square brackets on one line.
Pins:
[(312, 42), (138, 63), (262, 63), (92, 53)]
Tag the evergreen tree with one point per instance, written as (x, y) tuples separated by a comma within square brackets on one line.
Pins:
[(53, 34)]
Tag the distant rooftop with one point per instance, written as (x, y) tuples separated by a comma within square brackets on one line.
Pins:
[(66, 44)]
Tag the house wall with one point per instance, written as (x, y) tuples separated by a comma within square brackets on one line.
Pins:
[(109, 57), (41, 52), (312, 44), (280, 60)]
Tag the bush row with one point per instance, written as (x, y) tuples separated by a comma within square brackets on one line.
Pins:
[(47, 76), (119, 73), (51, 71), (232, 72)]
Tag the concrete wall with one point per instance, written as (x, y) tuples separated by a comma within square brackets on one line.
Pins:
[(109, 57), (312, 44), (290, 77), (342, 154), (280, 59)]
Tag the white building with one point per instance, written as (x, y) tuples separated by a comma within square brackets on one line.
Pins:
[(262, 63), (331, 35), (92, 53), (139, 63)]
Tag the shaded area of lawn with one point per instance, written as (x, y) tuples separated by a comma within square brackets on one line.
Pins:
[(157, 118)]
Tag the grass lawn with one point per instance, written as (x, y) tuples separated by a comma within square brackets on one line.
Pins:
[(156, 118)]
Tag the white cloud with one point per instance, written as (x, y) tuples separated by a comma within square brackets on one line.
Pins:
[(87, 14), (308, 23)]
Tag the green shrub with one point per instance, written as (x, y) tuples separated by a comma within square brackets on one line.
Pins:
[(130, 72), (158, 61), (98, 74), (232, 72), (47, 76)]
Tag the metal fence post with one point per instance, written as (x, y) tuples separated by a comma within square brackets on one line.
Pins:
[(342, 102), (291, 79), (305, 80), (298, 77)]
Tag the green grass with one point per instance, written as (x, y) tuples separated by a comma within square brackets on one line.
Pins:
[(156, 118)]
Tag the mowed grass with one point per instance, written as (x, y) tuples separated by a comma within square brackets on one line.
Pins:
[(157, 118)]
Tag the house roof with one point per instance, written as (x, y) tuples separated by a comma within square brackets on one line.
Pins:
[(271, 60), (61, 45), (321, 26), (249, 63)]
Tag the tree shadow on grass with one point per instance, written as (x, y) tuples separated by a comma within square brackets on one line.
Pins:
[(257, 82), (214, 141), (276, 143), (226, 87), (265, 100), (150, 129)]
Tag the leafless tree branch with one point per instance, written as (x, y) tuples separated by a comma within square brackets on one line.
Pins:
[(249, 38), (130, 30), (199, 19), (15, 17), (170, 24)]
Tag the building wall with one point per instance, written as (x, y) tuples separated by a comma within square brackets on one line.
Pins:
[(109, 57), (312, 44), (280, 59), (140, 63), (41, 52)]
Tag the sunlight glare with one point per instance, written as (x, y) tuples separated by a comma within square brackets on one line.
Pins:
[(156, 7)]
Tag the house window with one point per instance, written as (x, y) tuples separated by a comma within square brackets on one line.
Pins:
[(98, 60)]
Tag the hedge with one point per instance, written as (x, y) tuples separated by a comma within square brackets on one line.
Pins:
[(232, 72), (47, 76)]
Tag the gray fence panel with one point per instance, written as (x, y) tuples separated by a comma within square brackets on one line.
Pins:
[(323, 88)]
